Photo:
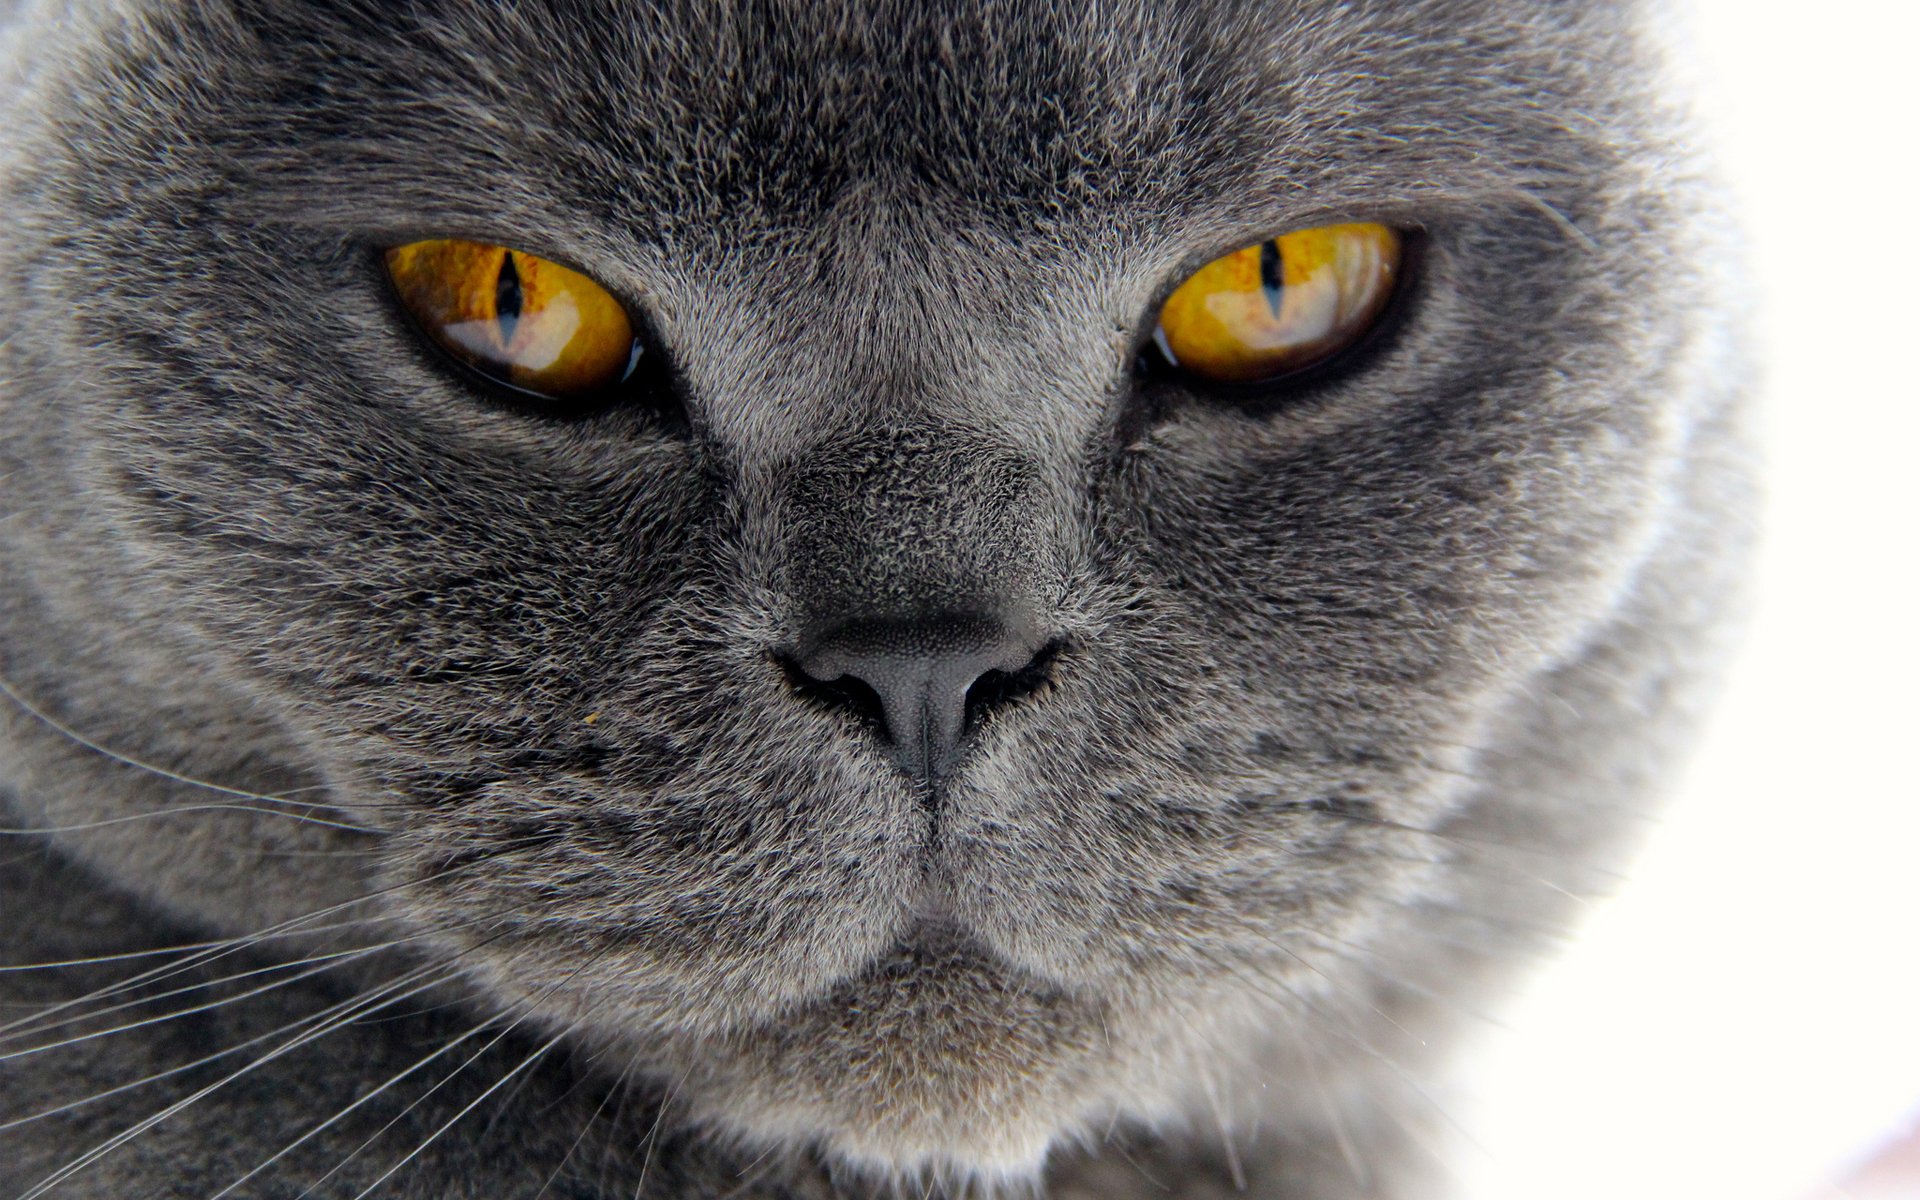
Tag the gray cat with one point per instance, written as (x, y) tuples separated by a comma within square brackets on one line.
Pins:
[(913, 705)]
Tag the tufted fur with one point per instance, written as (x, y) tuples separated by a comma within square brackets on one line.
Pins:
[(1354, 687)]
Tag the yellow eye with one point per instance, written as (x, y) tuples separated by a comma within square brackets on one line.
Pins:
[(520, 320), (1286, 303)]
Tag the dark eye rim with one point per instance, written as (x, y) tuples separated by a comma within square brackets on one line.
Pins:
[(1157, 372), (649, 385)]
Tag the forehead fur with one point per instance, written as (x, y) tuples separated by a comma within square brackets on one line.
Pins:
[(1015, 116)]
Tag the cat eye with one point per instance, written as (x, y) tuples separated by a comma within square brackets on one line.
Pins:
[(519, 320), (1277, 307)]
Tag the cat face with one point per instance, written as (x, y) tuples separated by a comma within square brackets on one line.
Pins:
[(897, 272)]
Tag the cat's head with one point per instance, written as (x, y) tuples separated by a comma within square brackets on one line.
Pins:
[(909, 713)]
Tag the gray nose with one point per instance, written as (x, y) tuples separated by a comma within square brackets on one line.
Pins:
[(924, 673)]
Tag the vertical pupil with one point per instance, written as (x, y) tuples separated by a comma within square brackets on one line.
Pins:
[(506, 297), (1270, 273)]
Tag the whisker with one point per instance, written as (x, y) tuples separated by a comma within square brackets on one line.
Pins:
[(290, 1147), (1139, 1168), (290, 927), (526, 1062), (1234, 1167), (329, 960), (751, 1174), (627, 1097), (514, 1094), (79, 739), (326, 962), (80, 1163), (585, 1128), (237, 1048), (1336, 1118), (1365, 1046), (653, 1132), (1374, 1008), (382, 1088), (181, 810), (1382, 974), (131, 954), (525, 1007)]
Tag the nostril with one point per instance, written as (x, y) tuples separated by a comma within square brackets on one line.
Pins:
[(924, 681), (999, 688), (846, 694)]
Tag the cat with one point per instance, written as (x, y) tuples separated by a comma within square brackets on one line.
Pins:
[(916, 722)]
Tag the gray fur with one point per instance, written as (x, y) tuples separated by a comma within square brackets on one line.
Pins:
[(1356, 688)]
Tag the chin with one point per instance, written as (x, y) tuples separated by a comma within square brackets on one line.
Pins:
[(938, 1062), (935, 1061)]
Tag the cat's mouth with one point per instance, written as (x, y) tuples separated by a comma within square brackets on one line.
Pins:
[(931, 907), (937, 936), (939, 1055)]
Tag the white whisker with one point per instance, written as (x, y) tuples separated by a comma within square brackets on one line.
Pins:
[(291, 927), (525, 1008), (585, 1128), (79, 739), (181, 810), (290, 1147), (526, 1062), (80, 1163), (231, 1050), (325, 962), (1336, 1118), (653, 1132)]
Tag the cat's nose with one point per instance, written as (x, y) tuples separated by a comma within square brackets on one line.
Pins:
[(931, 677)]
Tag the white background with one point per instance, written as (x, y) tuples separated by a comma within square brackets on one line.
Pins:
[(1744, 1021)]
